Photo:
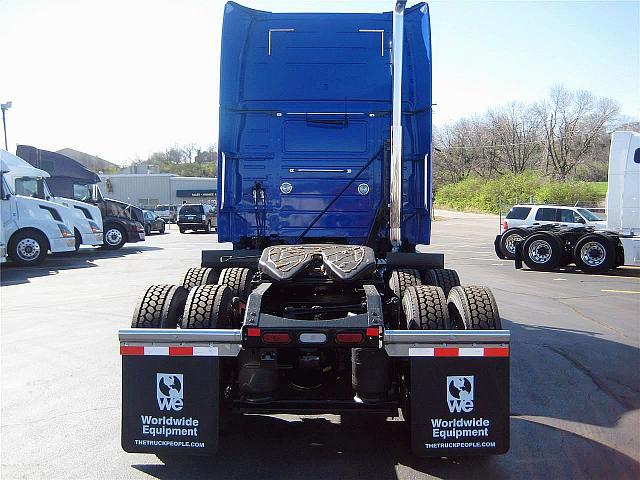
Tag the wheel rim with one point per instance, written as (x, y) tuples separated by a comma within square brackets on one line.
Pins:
[(113, 236), (28, 249), (510, 242), (540, 251), (593, 254)]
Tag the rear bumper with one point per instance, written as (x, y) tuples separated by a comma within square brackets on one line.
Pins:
[(192, 224)]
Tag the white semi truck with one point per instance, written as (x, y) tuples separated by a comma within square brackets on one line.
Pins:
[(26, 180), (32, 226), (593, 249)]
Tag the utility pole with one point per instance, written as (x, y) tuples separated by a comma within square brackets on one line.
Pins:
[(5, 106)]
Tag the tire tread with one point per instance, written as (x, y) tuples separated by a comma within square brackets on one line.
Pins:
[(425, 307)]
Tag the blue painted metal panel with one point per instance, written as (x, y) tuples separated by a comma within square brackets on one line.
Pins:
[(305, 99)]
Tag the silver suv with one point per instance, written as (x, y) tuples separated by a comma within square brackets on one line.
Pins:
[(530, 215)]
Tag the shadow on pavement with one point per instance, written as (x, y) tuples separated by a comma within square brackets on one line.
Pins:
[(272, 448), (11, 274), (574, 375), (622, 272)]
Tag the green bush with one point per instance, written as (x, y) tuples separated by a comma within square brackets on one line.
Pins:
[(568, 193), (481, 194)]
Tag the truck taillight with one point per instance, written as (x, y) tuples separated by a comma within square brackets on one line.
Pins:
[(505, 226), (349, 337), (276, 337)]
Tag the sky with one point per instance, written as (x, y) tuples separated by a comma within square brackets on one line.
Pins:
[(124, 78)]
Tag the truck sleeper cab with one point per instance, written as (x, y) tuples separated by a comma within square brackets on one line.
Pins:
[(323, 305)]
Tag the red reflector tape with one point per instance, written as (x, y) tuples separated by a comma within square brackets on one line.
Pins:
[(459, 352), (180, 351), (173, 351), (131, 350), (445, 352), (373, 331), (496, 352)]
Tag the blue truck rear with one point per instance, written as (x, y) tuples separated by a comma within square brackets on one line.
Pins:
[(323, 305), (305, 120)]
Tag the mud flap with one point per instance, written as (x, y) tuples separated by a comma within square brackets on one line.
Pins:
[(170, 404), (459, 403)]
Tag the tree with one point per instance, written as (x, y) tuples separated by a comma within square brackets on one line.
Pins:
[(516, 132), (572, 121)]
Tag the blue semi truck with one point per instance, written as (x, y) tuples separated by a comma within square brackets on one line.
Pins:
[(323, 305)]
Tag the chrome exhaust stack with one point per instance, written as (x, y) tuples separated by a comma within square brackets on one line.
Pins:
[(396, 127)]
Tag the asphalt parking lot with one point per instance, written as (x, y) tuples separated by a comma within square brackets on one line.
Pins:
[(575, 374)]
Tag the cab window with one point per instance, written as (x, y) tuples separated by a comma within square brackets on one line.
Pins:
[(82, 192), (546, 214), (29, 187)]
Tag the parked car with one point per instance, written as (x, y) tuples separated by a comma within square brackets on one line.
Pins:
[(197, 216), (153, 222), (169, 213), (532, 215)]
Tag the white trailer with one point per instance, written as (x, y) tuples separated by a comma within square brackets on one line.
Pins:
[(623, 193)]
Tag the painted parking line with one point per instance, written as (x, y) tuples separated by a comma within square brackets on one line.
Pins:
[(622, 291)]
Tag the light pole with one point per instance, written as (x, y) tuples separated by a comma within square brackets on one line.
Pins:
[(5, 107)]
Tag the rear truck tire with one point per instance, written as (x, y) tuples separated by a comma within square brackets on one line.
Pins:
[(28, 247), (208, 306), (508, 240), (147, 230), (594, 253), (542, 251), (425, 308), (403, 278), (182, 229), (114, 237), (444, 278), (238, 280), (197, 276), (473, 308), (160, 307)]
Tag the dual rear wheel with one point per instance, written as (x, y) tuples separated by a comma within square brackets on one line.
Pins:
[(202, 301), (465, 308)]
